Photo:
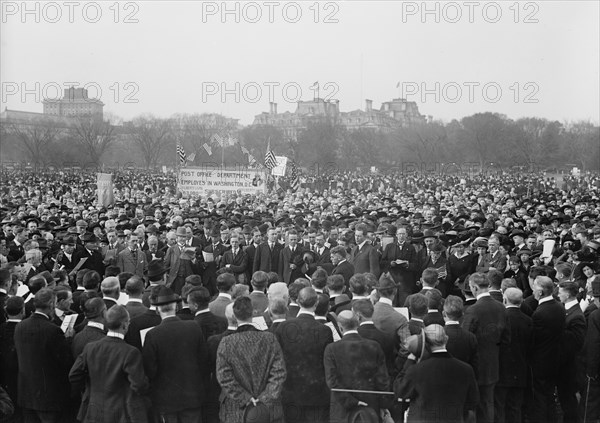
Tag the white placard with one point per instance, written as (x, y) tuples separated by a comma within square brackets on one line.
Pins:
[(279, 170), (197, 181)]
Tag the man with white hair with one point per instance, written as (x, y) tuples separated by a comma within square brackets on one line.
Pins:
[(441, 388)]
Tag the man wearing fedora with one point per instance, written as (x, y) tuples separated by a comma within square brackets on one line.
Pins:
[(179, 263), (217, 249), (175, 359)]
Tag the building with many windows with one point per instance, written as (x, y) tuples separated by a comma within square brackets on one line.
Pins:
[(392, 114), (75, 103)]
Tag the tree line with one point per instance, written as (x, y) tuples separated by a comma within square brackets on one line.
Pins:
[(487, 139)]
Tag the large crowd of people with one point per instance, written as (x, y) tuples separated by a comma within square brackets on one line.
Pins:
[(386, 296)]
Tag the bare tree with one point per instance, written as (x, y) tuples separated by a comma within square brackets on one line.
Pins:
[(35, 136), (95, 136), (150, 135)]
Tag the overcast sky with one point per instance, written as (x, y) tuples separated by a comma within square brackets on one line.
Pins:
[(178, 57)]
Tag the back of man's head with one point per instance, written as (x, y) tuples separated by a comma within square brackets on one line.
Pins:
[(347, 320), (242, 309), (495, 278), (278, 290), (436, 336), (110, 287), (508, 283), (44, 299), (91, 280), (199, 296), (307, 298), (259, 280), (453, 308), (430, 277), (116, 317), (93, 308), (319, 278), (434, 299), (335, 284), (134, 287), (513, 296), (358, 285), (363, 309), (225, 282), (294, 290), (278, 308), (322, 307), (417, 305), (37, 283), (480, 280)]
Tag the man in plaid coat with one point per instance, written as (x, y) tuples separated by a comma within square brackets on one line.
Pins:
[(250, 368)]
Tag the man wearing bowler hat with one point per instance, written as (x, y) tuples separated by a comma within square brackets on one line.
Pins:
[(175, 359), (89, 251)]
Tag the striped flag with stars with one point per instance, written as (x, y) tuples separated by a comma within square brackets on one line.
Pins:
[(181, 154), (270, 160), (295, 175)]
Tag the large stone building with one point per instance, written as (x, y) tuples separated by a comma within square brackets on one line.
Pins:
[(392, 114), (75, 103)]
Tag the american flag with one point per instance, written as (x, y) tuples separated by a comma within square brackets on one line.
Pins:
[(181, 153), (219, 140), (270, 160), (295, 175)]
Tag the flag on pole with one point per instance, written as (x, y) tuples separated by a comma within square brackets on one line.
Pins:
[(208, 149), (270, 160), (219, 140), (181, 154), (295, 175)]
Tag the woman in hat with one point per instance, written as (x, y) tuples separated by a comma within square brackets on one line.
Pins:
[(461, 263)]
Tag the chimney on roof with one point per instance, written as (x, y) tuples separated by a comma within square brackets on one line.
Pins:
[(368, 105), (272, 108)]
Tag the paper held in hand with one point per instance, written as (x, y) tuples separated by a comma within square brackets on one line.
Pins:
[(208, 257), (69, 322)]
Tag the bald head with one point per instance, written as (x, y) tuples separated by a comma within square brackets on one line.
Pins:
[(110, 287), (436, 336), (513, 296), (347, 320)]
